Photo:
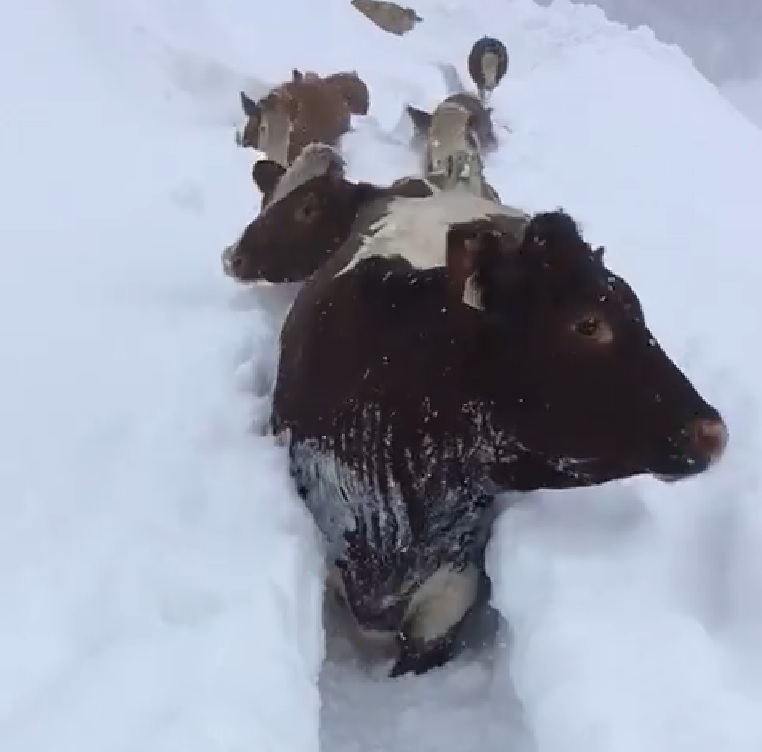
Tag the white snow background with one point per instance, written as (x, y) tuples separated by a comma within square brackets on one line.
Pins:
[(160, 584)]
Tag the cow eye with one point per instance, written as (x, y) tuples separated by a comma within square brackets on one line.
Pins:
[(307, 211), (593, 328)]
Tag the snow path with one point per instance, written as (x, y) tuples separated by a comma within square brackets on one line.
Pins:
[(162, 584)]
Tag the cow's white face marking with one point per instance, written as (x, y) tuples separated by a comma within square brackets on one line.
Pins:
[(315, 160), (490, 63), (447, 135), (275, 135)]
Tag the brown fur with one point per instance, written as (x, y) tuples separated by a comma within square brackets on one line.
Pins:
[(353, 89), (388, 16), (317, 110), (459, 350)]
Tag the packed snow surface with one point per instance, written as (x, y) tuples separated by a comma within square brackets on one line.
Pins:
[(161, 585)]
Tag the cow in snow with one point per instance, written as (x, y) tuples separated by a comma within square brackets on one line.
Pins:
[(301, 111), (448, 350)]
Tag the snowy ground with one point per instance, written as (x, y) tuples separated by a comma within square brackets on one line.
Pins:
[(162, 585)]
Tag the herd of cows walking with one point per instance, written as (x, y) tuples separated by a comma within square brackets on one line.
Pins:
[(443, 348)]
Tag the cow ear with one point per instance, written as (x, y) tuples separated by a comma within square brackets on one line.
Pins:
[(250, 107), (421, 120), (474, 255), (598, 254), (266, 174)]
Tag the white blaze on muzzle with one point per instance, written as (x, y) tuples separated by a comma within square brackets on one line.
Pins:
[(227, 258), (490, 63)]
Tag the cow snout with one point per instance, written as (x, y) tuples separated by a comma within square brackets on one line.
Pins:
[(231, 261), (708, 438)]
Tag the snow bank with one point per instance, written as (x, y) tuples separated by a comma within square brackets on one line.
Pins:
[(161, 584)]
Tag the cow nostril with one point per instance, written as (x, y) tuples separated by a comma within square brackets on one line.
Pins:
[(232, 264), (709, 438)]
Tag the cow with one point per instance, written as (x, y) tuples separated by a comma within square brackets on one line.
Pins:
[(452, 349), (458, 125), (487, 65), (390, 17), (280, 248), (305, 109)]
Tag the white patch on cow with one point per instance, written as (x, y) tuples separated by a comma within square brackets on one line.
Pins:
[(490, 63), (416, 228), (441, 602), (447, 135), (275, 135), (227, 258), (472, 294), (315, 160)]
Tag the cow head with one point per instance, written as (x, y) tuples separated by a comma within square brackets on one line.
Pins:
[(479, 124), (307, 214), (249, 136), (269, 124), (559, 355), (487, 63)]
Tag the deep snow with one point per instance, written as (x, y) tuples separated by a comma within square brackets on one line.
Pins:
[(162, 584)]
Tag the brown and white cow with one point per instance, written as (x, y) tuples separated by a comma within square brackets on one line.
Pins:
[(475, 128), (279, 250), (453, 140), (451, 349), (301, 111)]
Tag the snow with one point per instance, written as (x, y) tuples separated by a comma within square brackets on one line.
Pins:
[(162, 585), (746, 95)]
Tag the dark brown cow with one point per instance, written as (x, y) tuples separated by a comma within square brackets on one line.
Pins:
[(487, 64), (301, 111), (288, 246), (451, 349)]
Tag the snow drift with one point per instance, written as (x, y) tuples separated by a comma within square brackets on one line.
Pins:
[(161, 586)]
